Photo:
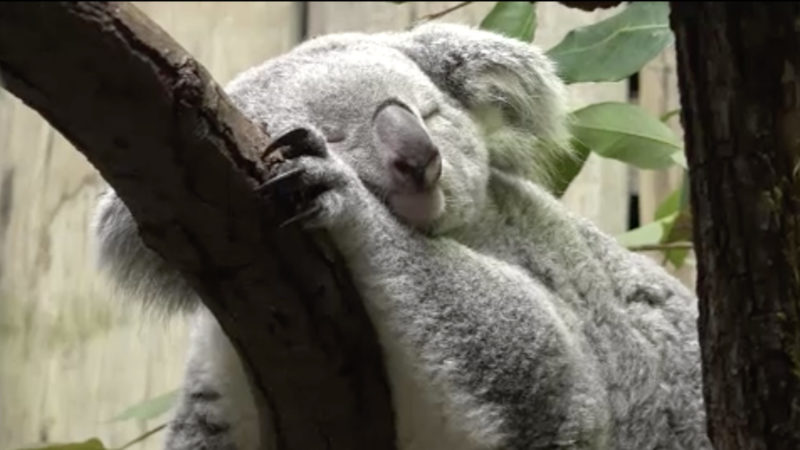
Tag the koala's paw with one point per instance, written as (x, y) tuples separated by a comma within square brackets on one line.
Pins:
[(308, 182)]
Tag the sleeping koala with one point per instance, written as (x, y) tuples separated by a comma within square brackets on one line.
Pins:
[(506, 321)]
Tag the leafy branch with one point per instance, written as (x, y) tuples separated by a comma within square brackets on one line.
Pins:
[(661, 247), (442, 13)]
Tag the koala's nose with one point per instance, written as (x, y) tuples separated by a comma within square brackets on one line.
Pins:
[(412, 159), (420, 173)]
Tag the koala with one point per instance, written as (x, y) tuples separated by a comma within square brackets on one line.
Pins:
[(506, 321)]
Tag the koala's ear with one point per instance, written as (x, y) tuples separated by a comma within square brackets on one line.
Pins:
[(491, 75)]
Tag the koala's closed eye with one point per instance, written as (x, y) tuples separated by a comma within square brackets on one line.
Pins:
[(334, 134), (430, 111)]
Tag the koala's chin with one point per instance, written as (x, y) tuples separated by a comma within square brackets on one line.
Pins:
[(418, 209)]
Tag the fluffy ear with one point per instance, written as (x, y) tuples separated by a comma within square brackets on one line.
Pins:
[(509, 86)]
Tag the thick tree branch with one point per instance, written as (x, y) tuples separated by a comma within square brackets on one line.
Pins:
[(739, 72), (184, 160)]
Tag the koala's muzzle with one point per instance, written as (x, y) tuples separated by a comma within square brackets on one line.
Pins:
[(411, 158)]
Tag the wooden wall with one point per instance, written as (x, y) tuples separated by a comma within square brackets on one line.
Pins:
[(71, 354)]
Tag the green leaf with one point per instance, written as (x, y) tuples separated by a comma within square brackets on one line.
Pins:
[(568, 167), (677, 256), (142, 437), (627, 133), (684, 202), (670, 205), (150, 408), (513, 19), (680, 229), (648, 234), (615, 48), (677, 230), (672, 224), (669, 115), (91, 444), (679, 158)]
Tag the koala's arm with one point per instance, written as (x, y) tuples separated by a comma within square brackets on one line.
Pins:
[(500, 352), (132, 267), (494, 355)]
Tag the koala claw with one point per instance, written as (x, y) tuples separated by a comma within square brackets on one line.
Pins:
[(296, 189), (298, 141), (304, 216), (305, 181), (271, 183)]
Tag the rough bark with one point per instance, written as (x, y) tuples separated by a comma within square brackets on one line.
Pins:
[(185, 161), (739, 71)]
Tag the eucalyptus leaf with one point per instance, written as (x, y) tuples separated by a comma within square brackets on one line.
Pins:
[(615, 48), (679, 158), (91, 444), (568, 167), (669, 115), (627, 133), (142, 437), (678, 230), (648, 234), (668, 229), (673, 217), (684, 204), (512, 19), (669, 205), (677, 256), (150, 408)]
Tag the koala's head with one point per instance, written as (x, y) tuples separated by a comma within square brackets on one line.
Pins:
[(422, 116)]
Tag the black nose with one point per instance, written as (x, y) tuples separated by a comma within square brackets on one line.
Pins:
[(422, 175), (412, 158)]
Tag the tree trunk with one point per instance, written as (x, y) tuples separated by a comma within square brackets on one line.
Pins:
[(185, 161), (739, 69)]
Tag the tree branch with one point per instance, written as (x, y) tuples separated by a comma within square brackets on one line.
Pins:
[(185, 161), (442, 13), (660, 247)]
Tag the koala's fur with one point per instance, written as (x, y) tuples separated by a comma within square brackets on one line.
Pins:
[(507, 322)]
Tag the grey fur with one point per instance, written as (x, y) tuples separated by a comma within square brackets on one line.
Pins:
[(507, 321)]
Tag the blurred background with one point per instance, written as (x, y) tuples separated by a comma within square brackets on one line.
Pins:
[(72, 357)]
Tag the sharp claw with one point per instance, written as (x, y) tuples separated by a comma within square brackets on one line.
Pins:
[(301, 216), (288, 138), (299, 141), (311, 144), (277, 179)]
